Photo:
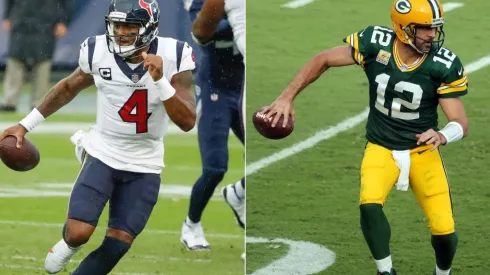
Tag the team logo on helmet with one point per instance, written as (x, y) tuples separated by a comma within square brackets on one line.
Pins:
[(146, 6), (401, 6)]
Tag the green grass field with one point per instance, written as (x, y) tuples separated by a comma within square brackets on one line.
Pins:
[(313, 195), (33, 207)]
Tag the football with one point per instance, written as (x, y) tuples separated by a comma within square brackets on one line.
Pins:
[(263, 126), (23, 159)]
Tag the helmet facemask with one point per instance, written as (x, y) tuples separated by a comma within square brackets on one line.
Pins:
[(411, 35), (147, 32)]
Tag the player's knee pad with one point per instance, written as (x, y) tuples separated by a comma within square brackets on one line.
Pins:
[(441, 224), (91, 192), (82, 209), (132, 221), (135, 223)]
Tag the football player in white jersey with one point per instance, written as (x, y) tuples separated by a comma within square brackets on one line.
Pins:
[(203, 30), (210, 16), (142, 81)]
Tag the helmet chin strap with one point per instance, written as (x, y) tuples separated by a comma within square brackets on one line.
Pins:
[(125, 52), (410, 42)]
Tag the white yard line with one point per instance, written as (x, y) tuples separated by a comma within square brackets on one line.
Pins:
[(478, 64), (337, 129), (307, 143), (451, 6), (62, 189), (301, 3), (168, 167), (147, 258), (303, 258), (151, 231), (297, 4)]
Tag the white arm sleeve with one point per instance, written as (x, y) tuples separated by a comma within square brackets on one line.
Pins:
[(235, 10)]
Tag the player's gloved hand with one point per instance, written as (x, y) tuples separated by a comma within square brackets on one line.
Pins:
[(154, 65), (17, 131), (431, 137), (281, 106)]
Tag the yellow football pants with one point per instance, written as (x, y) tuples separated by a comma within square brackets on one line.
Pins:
[(428, 181)]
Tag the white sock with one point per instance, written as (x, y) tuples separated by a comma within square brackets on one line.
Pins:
[(72, 248), (191, 223), (384, 265), (240, 192), (442, 272)]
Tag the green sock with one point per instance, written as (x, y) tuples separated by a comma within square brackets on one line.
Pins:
[(376, 230), (445, 249)]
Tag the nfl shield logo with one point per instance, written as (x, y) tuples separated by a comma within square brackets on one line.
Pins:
[(135, 78)]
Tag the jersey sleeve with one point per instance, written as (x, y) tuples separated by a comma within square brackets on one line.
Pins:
[(185, 59), (188, 61), (360, 44), (83, 57), (235, 10), (454, 82), (86, 56)]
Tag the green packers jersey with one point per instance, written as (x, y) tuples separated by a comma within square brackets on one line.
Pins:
[(403, 99)]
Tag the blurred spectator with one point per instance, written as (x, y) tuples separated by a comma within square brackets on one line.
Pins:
[(33, 27)]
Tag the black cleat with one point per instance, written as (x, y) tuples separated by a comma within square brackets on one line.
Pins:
[(393, 272)]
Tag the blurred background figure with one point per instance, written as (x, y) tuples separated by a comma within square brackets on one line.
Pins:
[(33, 31)]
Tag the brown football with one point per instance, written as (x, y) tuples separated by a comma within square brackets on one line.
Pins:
[(19, 159), (263, 126)]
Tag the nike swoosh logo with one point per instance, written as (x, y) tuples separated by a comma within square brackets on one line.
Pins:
[(460, 71), (421, 152)]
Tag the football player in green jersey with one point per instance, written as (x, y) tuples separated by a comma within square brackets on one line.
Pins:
[(409, 74)]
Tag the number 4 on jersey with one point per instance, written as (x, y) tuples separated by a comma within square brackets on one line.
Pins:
[(138, 101)]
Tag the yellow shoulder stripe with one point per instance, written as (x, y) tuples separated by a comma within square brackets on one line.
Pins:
[(459, 88), (457, 82), (353, 40)]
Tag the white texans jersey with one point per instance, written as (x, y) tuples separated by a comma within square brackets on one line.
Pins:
[(235, 11), (131, 118)]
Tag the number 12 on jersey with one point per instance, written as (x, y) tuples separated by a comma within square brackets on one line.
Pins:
[(138, 101), (397, 103)]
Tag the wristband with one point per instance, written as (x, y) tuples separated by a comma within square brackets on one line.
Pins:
[(32, 120), (164, 88), (452, 132)]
